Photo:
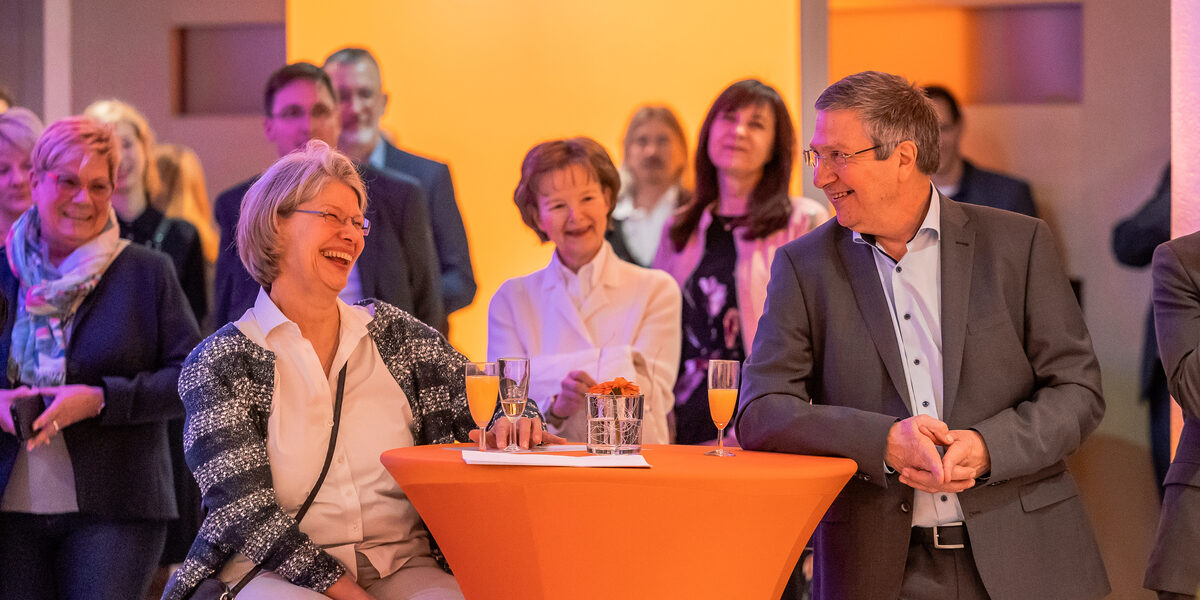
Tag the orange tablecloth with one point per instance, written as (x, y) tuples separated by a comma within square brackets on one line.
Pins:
[(691, 526)]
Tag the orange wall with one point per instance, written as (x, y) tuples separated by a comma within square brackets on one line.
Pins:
[(935, 42), (476, 83)]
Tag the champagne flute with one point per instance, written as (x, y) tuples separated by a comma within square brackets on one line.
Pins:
[(514, 389), (482, 385), (723, 378)]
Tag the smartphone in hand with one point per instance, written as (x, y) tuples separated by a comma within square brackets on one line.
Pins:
[(25, 410)]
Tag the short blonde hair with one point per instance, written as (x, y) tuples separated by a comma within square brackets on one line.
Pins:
[(19, 130), (113, 112), (293, 180), (73, 137)]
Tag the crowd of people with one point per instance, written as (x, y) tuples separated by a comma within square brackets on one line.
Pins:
[(899, 333)]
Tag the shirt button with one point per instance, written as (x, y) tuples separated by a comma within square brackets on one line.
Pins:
[(904, 508), (944, 498), (916, 361), (899, 269), (925, 403), (907, 316)]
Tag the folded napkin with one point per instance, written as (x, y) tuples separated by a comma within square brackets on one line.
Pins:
[(539, 459)]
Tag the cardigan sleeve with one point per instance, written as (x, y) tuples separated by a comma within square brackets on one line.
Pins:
[(431, 373), (226, 386)]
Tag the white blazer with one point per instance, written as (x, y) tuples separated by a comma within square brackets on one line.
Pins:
[(628, 326)]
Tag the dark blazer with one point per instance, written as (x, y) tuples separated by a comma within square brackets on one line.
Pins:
[(449, 234), (398, 264), (1133, 242), (180, 241), (131, 335), (1173, 564), (988, 188), (1018, 368)]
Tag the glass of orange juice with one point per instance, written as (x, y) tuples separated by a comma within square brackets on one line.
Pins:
[(723, 376), (483, 387)]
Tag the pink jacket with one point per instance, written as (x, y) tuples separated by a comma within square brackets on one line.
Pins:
[(753, 260)]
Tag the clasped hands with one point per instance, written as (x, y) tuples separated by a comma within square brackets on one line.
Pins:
[(912, 451)]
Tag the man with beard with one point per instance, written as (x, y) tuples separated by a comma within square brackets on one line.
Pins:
[(357, 78), (655, 155)]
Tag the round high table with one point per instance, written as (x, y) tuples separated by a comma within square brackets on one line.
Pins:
[(690, 526)]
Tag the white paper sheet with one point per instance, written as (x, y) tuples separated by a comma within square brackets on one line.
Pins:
[(475, 457)]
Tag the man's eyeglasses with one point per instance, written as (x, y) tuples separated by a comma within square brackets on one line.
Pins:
[(295, 112), (69, 185), (358, 223), (811, 158)]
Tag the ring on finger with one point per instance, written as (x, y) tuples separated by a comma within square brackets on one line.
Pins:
[(55, 424)]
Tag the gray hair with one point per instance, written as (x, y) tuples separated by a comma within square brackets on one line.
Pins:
[(19, 130), (892, 110), (293, 180)]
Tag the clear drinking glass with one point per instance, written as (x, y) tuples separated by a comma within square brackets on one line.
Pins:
[(514, 389), (482, 385), (723, 377)]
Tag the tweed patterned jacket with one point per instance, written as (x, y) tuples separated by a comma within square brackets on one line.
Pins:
[(226, 386)]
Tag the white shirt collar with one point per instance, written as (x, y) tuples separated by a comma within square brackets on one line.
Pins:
[(932, 222), (378, 154), (268, 316), (626, 209)]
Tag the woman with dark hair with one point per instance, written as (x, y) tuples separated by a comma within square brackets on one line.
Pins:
[(719, 246)]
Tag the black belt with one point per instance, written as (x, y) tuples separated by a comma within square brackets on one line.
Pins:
[(952, 536)]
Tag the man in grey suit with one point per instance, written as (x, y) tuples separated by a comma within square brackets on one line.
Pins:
[(939, 345), (1174, 570)]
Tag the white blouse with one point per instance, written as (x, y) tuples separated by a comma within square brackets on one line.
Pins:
[(359, 508), (612, 319)]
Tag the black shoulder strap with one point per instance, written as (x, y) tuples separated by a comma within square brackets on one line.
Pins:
[(337, 420)]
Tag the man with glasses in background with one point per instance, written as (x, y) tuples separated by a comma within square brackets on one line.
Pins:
[(939, 346), (398, 264)]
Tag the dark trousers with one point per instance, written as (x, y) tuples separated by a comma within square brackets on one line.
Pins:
[(77, 557), (934, 574)]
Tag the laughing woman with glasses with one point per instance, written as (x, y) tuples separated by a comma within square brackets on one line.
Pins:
[(95, 332), (263, 396), (719, 246)]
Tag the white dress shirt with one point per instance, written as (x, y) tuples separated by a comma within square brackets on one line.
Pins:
[(913, 288), (359, 508), (641, 228)]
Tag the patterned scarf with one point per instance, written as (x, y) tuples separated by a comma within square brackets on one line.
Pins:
[(50, 295)]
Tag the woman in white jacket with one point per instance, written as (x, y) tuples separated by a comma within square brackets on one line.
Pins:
[(588, 316)]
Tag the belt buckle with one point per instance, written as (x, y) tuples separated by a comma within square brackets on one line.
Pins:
[(937, 537)]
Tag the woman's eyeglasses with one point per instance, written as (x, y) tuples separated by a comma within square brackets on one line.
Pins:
[(362, 223)]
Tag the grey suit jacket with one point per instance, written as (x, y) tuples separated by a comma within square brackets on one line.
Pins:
[(825, 378), (1174, 566)]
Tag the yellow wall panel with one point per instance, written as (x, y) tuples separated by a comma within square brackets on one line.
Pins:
[(476, 83)]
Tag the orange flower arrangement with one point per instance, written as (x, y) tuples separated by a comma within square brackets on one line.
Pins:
[(617, 387)]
